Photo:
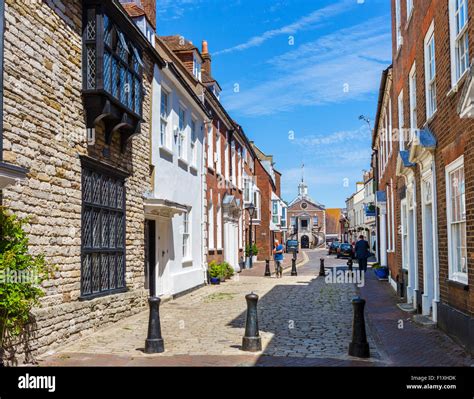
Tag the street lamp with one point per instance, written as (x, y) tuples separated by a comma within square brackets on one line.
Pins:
[(251, 210)]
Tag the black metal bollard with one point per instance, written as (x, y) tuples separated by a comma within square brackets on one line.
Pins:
[(322, 271), (252, 342), (359, 347), (154, 342), (294, 254), (294, 272), (268, 273)]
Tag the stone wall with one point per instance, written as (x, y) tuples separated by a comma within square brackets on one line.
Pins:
[(44, 131)]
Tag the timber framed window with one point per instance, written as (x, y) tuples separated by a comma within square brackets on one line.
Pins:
[(102, 230)]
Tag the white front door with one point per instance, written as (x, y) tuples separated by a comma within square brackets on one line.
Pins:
[(163, 284)]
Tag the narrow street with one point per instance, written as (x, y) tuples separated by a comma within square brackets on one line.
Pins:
[(303, 321)]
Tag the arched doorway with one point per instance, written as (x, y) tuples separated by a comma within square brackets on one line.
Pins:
[(305, 242)]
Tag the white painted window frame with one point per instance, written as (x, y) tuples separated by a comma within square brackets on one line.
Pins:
[(430, 81), (456, 41)]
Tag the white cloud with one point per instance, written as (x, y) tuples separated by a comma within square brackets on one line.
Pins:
[(303, 23), (342, 66), (174, 9)]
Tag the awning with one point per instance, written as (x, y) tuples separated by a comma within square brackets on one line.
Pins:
[(405, 158), (161, 207), (10, 174), (424, 141)]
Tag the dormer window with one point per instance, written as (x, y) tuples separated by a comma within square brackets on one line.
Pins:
[(216, 91), (197, 67), (113, 69)]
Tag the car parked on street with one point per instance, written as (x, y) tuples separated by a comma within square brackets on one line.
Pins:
[(345, 250), (333, 247), (292, 245)]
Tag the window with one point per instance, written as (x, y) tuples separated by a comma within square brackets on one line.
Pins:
[(164, 112), (283, 216), (102, 232), (247, 189), (413, 102), (275, 212), (430, 72), (239, 168), (186, 235), (458, 39), (409, 9), (256, 203), (182, 134), (456, 199), (293, 221), (226, 158), (304, 223), (218, 153), (196, 67), (398, 23), (401, 124), (315, 221), (211, 223), (193, 143), (219, 225), (233, 165), (210, 147)]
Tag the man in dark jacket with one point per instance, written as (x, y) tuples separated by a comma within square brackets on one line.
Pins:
[(362, 252)]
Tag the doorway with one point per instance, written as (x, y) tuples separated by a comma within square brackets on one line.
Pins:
[(164, 245), (150, 256), (305, 242)]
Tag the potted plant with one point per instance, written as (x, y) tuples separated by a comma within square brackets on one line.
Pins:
[(214, 272), (247, 256), (254, 252), (380, 271), (227, 270)]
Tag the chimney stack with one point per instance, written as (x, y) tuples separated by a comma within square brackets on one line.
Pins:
[(206, 66)]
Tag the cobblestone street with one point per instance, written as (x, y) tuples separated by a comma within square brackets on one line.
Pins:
[(303, 321)]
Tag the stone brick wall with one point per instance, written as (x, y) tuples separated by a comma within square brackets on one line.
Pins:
[(44, 131)]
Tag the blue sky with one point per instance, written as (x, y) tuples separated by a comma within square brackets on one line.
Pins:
[(305, 71)]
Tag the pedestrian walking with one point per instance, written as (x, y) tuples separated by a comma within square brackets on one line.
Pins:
[(362, 252), (278, 258)]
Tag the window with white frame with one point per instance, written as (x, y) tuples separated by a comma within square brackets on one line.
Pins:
[(218, 153), (430, 72), (196, 67), (409, 9), (219, 225), (186, 235), (315, 221), (210, 146), (390, 124), (401, 124), (256, 203), (456, 210), (392, 208), (398, 23), (182, 134), (234, 164), (211, 223), (275, 212), (240, 169), (247, 189), (226, 158), (458, 39), (164, 112), (283, 216), (241, 232), (193, 143), (413, 102)]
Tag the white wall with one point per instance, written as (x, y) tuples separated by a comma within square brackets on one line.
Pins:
[(178, 182)]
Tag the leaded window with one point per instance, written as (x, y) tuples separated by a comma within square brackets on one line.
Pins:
[(112, 62), (103, 232)]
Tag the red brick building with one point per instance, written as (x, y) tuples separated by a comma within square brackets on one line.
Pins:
[(270, 218), (431, 99)]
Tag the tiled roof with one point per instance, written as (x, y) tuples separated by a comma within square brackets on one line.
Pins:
[(133, 10), (206, 78), (178, 43)]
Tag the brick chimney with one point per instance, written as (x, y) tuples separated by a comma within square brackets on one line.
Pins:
[(206, 66)]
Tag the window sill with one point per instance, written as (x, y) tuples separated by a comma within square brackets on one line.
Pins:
[(187, 261), (457, 86), (193, 168), (458, 283), (211, 168), (431, 118), (164, 148)]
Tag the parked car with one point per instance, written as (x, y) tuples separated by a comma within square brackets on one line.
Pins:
[(292, 245), (345, 250), (333, 247)]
